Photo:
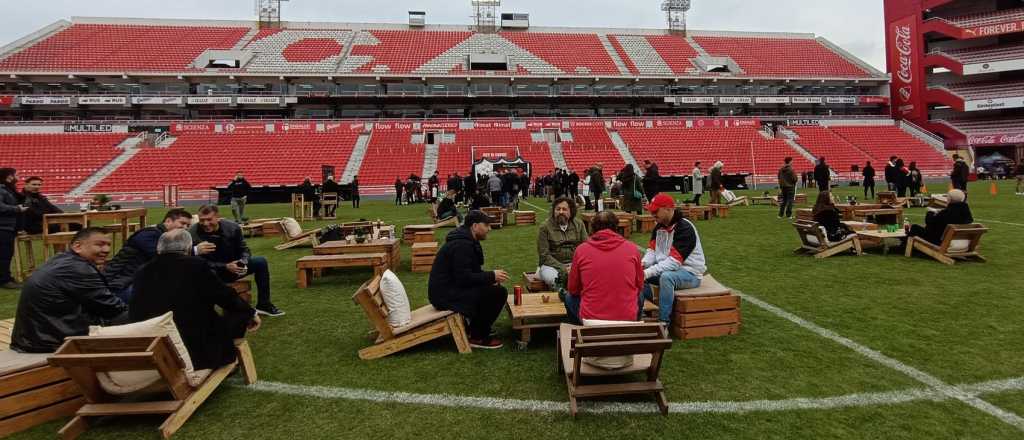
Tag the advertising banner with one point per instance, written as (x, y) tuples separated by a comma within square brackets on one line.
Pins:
[(905, 63), (45, 100), (209, 100), (103, 100), (157, 100), (258, 100)]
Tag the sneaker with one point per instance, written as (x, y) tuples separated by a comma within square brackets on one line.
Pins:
[(11, 285), (269, 310), (488, 344)]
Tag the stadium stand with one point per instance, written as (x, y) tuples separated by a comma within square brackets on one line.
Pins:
[(62, 160), (203, 161), (575, 54), (986, 18), (984, 54), (838, 152), (802, 57), (289, 50), (885, 141), (988, 126), (591, 146), (985, 90), (100, 48), (675, 52), (492, 142), (395, 51), (390, 155)]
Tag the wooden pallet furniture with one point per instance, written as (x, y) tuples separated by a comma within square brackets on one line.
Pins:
[(289, 241), (959, 242), (24, 261), (884, 216), (427, 324), (646, 223), (695, 213), (611, 204), (708, 311), (765, 200), (85, 357), (800, 199), (301, 209), (533, 283), (720, 211), (645, 343), (244, 290), (389, 246), (423, 255), (31, 392), (305, 267), (525, 217), (451, 222), (536, 314), (805, 214), (741, 200), (497, 216), (814, 241), (330, 200), (409, 232), (423, 237), (889, 198)]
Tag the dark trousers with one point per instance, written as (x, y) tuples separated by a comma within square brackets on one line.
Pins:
[(901, 190), (915, 188), (869, 185), (823, 185), (487, 309), (962, 186), (259, 269), (6, 255), (696, 199), (355, 200), (398, 198), (786, 205), (495, 198)]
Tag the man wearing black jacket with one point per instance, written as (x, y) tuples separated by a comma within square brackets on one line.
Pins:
[(66, 295), (822, 175), (308, 191), (176, 282), (139, 250), (960, 173), (239, 190), (331, 187), (10, 211), (891, 174), (956, 213), (869, 180), (38, 206), (458, 282), (221, 244)]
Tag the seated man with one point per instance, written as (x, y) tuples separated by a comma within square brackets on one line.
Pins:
[(675, 258), (956, 213), (66, 295), (458, 282), (176, 282), (557, 241), (221, 244), (138, 250), (606, 275), (446, 208), (38, 206)]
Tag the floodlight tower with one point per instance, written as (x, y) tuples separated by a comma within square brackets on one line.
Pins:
[(269, 13), (485, 15), (675, 13)]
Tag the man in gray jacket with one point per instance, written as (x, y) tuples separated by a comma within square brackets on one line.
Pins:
[(787, 184)]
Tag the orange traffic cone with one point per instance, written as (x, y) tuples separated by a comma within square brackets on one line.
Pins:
[(994, 190), (924, 189)]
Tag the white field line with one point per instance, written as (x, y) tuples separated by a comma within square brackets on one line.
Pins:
[(534, 206), (932, 382)]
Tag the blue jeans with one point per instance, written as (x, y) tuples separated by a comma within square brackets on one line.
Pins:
[(260, 270), (668, 283), (572, 307)]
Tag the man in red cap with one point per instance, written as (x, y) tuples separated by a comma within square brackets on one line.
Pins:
[(675, 258)]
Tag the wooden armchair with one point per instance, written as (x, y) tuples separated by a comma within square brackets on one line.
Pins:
[(960, 242), (446, 223), (815, 242), (427, 324), (301, 209), (578, 346), (85, 358), (889, 198), (291, 239)]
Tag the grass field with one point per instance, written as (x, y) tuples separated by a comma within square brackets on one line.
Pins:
[(959, 326)]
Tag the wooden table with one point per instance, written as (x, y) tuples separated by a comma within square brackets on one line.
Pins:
[(773, 201), (694, 212), (882, 238), (848, 210), (305, 266), (120, 217), (535, 313), (886, 216), (388, 246)]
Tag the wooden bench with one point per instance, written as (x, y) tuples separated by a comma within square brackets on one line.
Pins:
[(959, 242), (711, 310), (427, 324), (525, 218), (31, 392), (423, 255), (533, 283), (305, 266), (800, 199), (409, 232), (805, 214), (720, 211), (696, 213)]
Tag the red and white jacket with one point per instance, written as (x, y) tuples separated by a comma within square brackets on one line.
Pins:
[(673, 247)]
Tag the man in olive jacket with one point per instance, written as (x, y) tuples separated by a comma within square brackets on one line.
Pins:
[(557, 241), (787, 184)]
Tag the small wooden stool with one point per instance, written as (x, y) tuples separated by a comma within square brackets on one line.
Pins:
[(646, 223), (423, 255), (800, 199), (708, 311), (720, 211), (409, 232), (498, 214), (423, 237), (305, 266), (525, 218)]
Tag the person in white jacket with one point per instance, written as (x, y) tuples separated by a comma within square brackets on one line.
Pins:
[(698, 184), (674, 259)]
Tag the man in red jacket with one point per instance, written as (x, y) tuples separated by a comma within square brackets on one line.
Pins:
[(606, 275)]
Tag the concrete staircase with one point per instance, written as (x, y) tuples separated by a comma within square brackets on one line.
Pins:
[(624, 150), (623, 69), (130, 147), (247, 38), (800, 149), (430, 158), (557, 155), (355, 161)]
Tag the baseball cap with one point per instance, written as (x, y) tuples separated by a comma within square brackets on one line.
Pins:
[(660, 201)]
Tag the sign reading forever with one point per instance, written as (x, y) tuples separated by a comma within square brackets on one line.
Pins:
[(88, 128)]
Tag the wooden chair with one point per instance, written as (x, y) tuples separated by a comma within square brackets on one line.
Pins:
[(329, 200), (83, 357), (31, 392), (889, 198), (301, 209), (24, 257), (646, 343), (815, 242), (57, 242), (741, 200), (450, 222), (289, 241), (960, 242), (427, 324)]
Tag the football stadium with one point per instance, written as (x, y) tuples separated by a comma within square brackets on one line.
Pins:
[(270, 228)]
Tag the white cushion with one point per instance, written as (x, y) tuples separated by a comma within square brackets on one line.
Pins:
[(609, 363), (959, 246), (126, 382), (393, 292), (292, 227)]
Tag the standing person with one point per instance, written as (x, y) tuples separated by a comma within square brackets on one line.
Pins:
[(10, 211), (916, 180), (650, 180), (221, 244), (716, 183), (458, 283), (891, 174), (698, 183), (433, 183), (902, 176), (38, 206), (961, 172), (1019, 171), (787, 185), (398, 191), (632, 190), (469, 188), (574, 185), (494, 187), (822, 175), (355, 191), (605, 275), (597, 184), (524, 185), (239, 190), (331, 187), (557, 241), (674, 259), (869, 180)]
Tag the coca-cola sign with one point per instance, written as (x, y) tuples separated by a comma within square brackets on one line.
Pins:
[(903, 62), (997, 139)]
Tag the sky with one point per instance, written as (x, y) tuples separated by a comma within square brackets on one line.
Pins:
[(855, 25)]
